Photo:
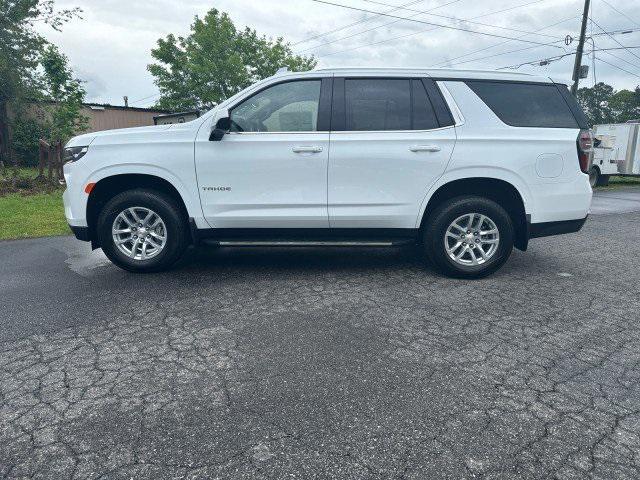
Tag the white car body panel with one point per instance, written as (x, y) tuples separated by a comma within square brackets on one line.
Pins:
[(488, 148), (376, 180), (358, 180), (164, 151), (285, 189)]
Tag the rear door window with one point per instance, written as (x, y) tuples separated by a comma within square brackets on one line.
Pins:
[(526, 104), (378, 104), (384, 104)]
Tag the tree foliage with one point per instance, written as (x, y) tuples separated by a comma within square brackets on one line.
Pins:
[(215, 61), (21, 45), (67, 94), (58, 114), (21, 52), (603, 104)]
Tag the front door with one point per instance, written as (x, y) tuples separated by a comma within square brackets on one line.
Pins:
[(270, 170), (390, 141)]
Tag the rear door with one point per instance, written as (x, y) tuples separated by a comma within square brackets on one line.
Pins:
[(391, 139)]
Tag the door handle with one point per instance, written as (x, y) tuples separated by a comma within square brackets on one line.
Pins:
[(425, 148), (306, 149)]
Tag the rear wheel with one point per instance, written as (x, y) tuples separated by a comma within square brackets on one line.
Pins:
[(603, 181), (469, 237), (142, 231)]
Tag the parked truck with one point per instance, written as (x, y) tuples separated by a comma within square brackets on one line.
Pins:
[(616, 152)]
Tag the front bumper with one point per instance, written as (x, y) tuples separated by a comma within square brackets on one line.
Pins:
[(81, 233), (74, 197)]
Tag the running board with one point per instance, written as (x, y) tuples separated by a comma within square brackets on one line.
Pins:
[(305, 237), (264, 243)]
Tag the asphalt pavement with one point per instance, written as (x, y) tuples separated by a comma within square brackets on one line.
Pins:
[(325, 363)]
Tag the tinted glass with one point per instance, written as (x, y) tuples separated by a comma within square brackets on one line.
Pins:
[(575, 107), (424, 117), (286, 107), (378, 104), (443, 113), (526, 104)]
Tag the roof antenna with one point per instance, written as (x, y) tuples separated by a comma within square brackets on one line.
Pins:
[(282, 70)]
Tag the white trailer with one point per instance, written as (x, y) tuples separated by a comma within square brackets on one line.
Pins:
[(616, 151)]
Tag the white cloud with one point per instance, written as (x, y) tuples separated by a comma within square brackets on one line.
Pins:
[(110, 47)]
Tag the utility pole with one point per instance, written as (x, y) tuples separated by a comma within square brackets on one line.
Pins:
[(583, 32)]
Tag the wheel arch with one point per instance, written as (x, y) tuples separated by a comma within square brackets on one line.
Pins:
[(501, 191), (110, 186)]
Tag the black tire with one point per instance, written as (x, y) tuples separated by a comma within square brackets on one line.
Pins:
[(594, 177), (445, 214), (603, 181), (177, 237)]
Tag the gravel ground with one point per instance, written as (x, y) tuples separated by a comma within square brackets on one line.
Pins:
[(327, 363)]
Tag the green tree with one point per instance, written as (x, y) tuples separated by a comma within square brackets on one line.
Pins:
[(215, 61), (58, 114), (625, 105), (67, 94), (20, 49), (603, 104), (595, 102)]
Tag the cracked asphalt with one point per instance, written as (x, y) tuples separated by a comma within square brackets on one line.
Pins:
[(324, 363)]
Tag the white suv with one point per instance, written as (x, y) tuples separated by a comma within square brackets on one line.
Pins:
[(468, 164)]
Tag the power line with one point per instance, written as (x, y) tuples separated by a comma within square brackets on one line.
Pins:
[(559, 57), (400, 7), (430, 23), (145, 98), (614, 32), (374, 28), (448, 61), (406, 35), (617, 32), (616, 66), (615, 40), (492, 56), (621, 13), (466, 21)]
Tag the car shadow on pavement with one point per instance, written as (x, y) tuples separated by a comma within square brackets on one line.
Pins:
[(301, 258)]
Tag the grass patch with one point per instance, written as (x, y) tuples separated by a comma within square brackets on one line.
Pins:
[(39, 215), (617, 182), (624, 181)]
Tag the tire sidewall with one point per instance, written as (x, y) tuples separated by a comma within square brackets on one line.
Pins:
[(457, 207), (175, 230)]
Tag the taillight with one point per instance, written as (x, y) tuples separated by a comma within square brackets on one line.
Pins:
[(585, 149)]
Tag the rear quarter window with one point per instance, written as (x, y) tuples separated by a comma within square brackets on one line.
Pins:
[(526, 104)]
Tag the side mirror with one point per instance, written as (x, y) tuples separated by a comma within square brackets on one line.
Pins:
[(222, 127)]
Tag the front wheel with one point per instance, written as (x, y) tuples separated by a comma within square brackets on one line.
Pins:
[(469, 237), (142, 231)]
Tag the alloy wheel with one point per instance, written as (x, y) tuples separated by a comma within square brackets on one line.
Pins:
[(139, 233), (472, 239)]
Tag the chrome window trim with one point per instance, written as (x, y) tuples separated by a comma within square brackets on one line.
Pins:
[(448, 127), (280, 133)]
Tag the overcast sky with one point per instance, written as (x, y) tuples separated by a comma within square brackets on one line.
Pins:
[(110, 47)]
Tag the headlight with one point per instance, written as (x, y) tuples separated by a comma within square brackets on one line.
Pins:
[(73, 154)]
